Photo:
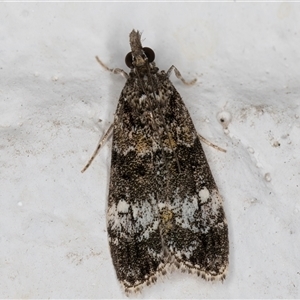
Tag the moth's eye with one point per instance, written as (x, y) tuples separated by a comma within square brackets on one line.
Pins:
[(128, 60), (149, 53)]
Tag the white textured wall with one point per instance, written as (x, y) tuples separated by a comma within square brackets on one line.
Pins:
[(53, 92)]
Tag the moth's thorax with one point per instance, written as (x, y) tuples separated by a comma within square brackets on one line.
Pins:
[(148, 91), (146, 70)]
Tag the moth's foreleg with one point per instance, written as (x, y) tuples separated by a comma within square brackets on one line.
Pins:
[(102, 140), (115, 71), (179, 76)]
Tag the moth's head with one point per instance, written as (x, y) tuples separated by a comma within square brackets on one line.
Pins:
[(139, 56)]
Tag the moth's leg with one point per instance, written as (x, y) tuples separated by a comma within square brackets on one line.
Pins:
[(115, 71), (102, 140), (210, 144), (179, 76)]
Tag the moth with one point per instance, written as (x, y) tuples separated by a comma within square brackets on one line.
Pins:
[(164, 208)]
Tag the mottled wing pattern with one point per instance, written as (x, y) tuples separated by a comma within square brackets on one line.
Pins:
[(135, 187), (196, 233), (164, 207)]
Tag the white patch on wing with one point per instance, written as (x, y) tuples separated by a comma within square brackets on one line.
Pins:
[(184, 210), (204, 195), (144, 217), (161, 205), (142, 98), (122, 207), (189, 208), (187, 211)]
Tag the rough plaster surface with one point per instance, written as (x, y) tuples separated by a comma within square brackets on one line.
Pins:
[(56, 102)]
